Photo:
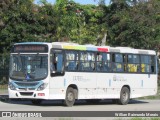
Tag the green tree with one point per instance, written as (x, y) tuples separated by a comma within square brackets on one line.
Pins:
[(134, 26), (21, 21)]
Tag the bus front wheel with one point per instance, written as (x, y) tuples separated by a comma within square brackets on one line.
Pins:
[(124, 96), (70, 97)]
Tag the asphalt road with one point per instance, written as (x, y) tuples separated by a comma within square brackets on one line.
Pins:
[(81, 105)]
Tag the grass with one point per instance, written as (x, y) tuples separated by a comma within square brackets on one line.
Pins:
[(3, 89)]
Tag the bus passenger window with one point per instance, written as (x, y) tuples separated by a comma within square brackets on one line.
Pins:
[(133, 63), (118, 60), (132, 68), (87, 61), (143, 68), (103, 62), (145, 63), (72, 65), (71, 60), (153, 60), (152, 69)]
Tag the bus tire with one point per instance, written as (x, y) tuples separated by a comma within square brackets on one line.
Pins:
[(124, 96), (70, 97), (36, 102)]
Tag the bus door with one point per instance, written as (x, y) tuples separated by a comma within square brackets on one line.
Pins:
[(56, 68)]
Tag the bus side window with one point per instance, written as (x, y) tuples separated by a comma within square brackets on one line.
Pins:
[(71, 60), (142, 67), (118, 62), (146, 63), (87, 61), (152, 69), (153, 62), (72, 65), (133, 63), (132, 68)]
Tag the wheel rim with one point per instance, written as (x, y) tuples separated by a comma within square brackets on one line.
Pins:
[(70, 96), (124, 96)]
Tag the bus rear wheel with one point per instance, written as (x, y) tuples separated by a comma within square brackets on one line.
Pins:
[(124, 96), (70, 97)]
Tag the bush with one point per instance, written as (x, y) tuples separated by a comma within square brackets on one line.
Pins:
[(3, 80)]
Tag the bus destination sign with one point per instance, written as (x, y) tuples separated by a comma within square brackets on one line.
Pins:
[(30, 48)]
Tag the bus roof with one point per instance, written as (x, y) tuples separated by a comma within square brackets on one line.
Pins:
[(75, 46), (90, 47)]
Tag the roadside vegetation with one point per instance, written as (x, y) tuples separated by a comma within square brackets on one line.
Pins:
[(130, 23)]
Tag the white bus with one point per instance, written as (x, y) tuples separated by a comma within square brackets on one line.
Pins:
[(69, 72)]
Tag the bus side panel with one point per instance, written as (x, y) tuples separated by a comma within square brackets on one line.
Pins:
[(85, 82), (103, 85), (56, 87), (143, 85), (109, 85)]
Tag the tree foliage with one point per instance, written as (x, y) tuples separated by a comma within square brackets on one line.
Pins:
[(134, 23)]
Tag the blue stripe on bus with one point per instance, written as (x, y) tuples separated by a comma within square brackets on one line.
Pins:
[(64, 82), (141, 83), (91, 48), (109, 83)]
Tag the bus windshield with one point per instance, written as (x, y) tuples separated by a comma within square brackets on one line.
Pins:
[(28, 66)]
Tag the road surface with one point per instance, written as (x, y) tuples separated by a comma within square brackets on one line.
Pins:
[(82, 106)]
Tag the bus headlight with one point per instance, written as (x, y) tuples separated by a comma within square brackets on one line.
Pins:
[(42, 87), (11, 86)]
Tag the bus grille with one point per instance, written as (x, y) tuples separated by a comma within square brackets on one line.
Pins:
[(26, 93), (27, 88), (29, 84)]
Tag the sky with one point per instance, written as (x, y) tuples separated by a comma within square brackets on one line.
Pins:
[(95, 2)]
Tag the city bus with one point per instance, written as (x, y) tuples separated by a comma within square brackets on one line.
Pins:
[(69, 72)]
